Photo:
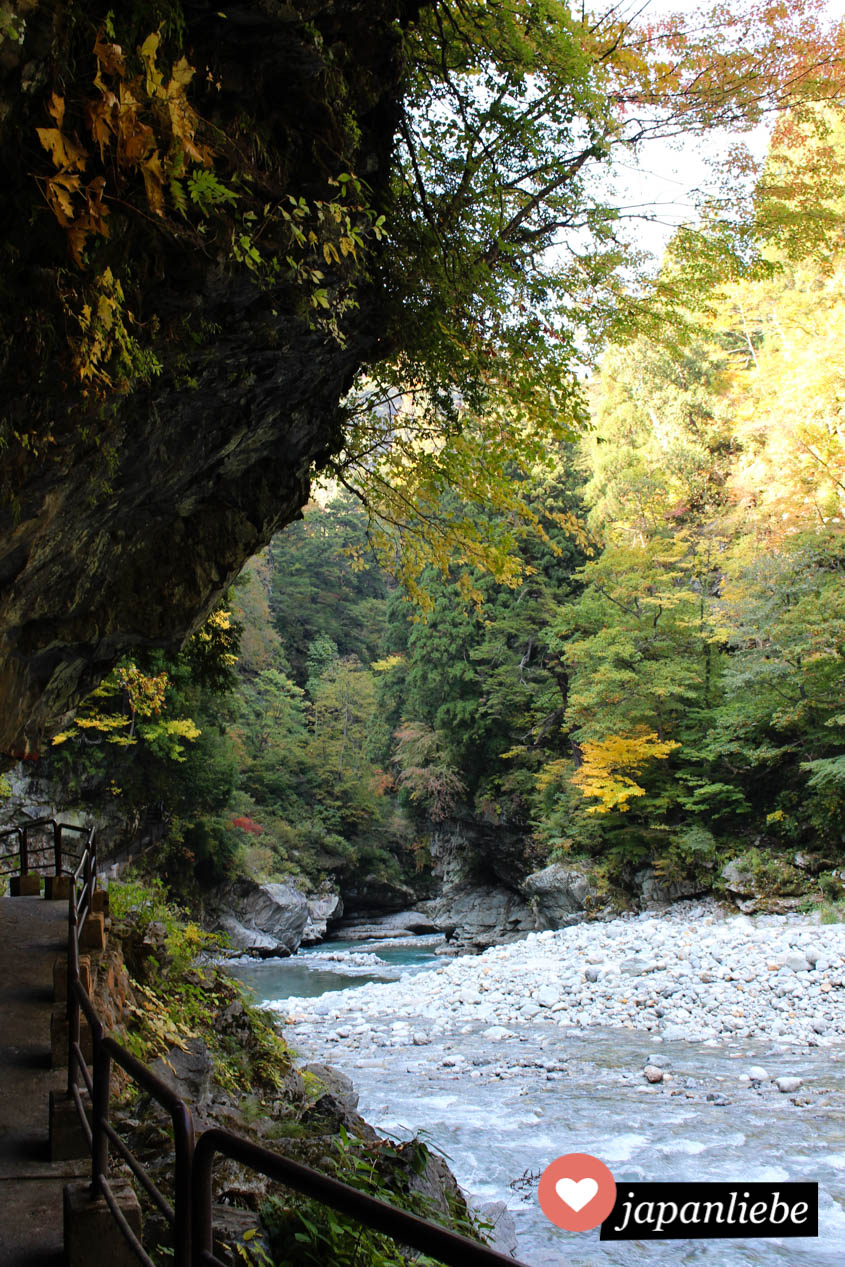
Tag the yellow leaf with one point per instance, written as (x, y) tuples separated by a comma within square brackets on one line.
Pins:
[(148, 53), (110, 57), (59, 191), (388, 663), (100, 116), (57, 108), (607, 767), (105, 311), (97, 210), (77, 235), (183, 72), (183, 122), (136, 141), (154, 183), (63, 151)]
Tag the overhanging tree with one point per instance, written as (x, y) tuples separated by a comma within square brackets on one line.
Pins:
[(188, 244), (510, 262)]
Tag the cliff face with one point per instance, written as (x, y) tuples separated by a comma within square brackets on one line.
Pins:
[(123, 520)]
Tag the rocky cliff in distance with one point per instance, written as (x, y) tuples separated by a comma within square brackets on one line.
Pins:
[(122, 521)]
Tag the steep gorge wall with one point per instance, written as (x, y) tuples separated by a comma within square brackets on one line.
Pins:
[(122, 523)]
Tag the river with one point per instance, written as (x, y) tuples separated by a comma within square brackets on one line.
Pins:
[(501, 1111)]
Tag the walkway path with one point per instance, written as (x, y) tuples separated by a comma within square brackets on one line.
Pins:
[(32, 933)]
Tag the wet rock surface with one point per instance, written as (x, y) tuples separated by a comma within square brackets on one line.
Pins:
[(261, 919), (477, 917)]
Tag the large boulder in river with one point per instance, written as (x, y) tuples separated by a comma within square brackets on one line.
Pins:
[(399, 926), (558, 894), (325, 908), (262, 919), (474, 918), (656, 891)]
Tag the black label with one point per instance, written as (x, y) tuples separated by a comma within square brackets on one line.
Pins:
[(695, 1211)]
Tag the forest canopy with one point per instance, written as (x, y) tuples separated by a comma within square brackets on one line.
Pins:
[(414, 214), (510, 264), (497, 253), (658, 684)]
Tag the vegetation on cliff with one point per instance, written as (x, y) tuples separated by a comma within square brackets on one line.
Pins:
[(214, 221), (233, 1065), (586, 648)]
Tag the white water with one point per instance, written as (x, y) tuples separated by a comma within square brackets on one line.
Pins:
[(503, 1109)]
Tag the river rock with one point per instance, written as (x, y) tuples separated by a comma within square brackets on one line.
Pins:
[(500, 1232), (324, 908), (337, 1083), (635, 967), (405, 922), (787, 1085), (707, 978), (474, 919), (656, 892), (376, 895), (653, 1073), (401, 924), (558, 894), (262, 919), (187, 1071), (737, 880)]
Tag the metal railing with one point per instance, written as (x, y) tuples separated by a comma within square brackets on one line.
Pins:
[(46, 854), (406, 1229), (190, 1213), (100, 1134)]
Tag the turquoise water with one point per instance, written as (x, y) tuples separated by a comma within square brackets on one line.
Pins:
[(311, 972)]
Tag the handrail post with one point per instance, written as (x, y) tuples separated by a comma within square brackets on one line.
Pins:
[(183, 1140), (57, 846), (201, 1204), (88, 883), (100, 1109), (73, 1024), (24, 852)]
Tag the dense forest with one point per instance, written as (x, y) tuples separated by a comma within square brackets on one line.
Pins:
[(659, 679), (572, 565), (386, 531), (381, 241)]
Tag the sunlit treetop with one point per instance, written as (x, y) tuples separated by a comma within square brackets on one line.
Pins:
[(509, 264)]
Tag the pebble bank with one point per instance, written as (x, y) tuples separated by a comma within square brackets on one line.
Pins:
[(692, 973)]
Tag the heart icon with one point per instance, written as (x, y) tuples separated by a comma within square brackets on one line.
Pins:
[(576, 1195), (576, 1192)]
